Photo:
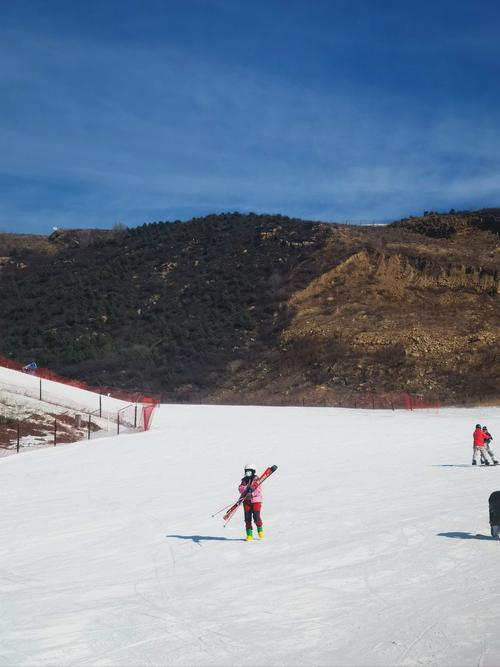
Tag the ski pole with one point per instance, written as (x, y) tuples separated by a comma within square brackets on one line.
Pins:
[(236, 505), (221, 510), (229, 515), (228, 506)]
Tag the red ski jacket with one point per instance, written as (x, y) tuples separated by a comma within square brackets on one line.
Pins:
[(479, 437)]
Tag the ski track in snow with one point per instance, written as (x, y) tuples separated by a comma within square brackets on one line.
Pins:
[(376, 548)]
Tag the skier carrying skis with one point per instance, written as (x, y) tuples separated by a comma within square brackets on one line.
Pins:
[(478, 445), (487, 442), (250, 489)]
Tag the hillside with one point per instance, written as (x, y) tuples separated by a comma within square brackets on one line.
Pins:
[(262, 309)]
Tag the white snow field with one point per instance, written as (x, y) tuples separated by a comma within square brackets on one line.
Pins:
[(376, 549), (23, 384)]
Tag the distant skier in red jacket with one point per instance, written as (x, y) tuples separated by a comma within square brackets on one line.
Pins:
[(478, 438)]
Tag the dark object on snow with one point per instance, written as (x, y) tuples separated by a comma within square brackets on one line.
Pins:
[(494, 504)]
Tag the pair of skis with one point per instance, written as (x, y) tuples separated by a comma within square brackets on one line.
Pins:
[(232, 508)]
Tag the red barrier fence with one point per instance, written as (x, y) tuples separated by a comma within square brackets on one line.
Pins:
[(388, 401), (419, 402), (148, 410), (328, 398)]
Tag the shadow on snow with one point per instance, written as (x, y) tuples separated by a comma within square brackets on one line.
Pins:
[(205, 538), (452, 465), (468, 536)]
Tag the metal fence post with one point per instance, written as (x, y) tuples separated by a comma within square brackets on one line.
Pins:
[(55, 431), (89, 429), (40, 388), (18, 435)]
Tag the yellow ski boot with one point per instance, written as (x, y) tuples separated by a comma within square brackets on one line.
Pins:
[(260, 531), (249, 534)]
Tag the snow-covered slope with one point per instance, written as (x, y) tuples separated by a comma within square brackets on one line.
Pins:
[(376, 552), (20, 400), (24, 384)]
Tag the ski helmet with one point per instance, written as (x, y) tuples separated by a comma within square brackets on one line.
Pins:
[(485, 428), (478, 425), (250, 469)]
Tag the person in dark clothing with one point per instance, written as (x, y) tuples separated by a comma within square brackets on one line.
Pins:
[(487, 442), (494, 505)]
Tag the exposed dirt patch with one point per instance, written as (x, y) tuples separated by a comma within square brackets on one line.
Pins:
[(43, 429)]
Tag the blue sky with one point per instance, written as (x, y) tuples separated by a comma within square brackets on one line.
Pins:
[(133, 112)]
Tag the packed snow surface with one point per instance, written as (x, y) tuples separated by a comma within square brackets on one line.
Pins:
[(376, 549)]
